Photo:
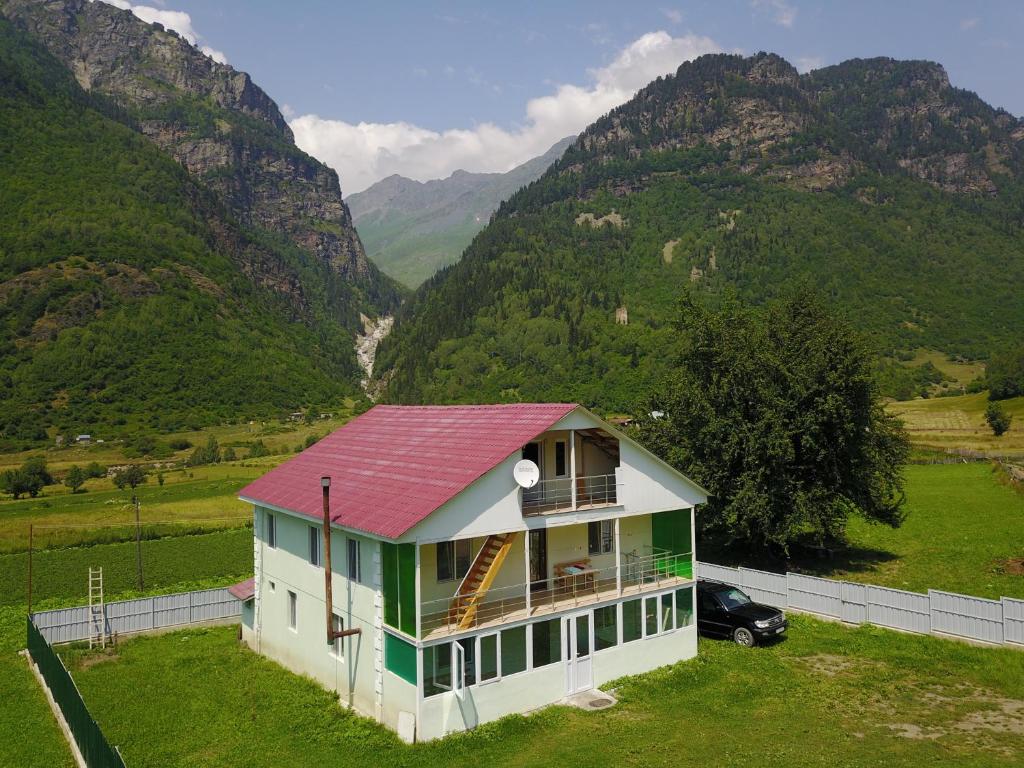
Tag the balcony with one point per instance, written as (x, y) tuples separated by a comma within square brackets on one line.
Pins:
[(655, 569), (565, 493)]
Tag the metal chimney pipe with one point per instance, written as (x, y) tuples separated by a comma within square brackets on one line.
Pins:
[(332, 633)]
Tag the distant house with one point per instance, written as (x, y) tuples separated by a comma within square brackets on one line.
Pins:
[(459, 595), (83, 439)]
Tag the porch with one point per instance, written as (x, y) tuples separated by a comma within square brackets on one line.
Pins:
[(569, 587)]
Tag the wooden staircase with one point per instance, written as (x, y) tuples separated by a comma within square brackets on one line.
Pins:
[(478, 580)]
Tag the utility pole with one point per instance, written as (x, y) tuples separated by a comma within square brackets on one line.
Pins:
[(138, 542)]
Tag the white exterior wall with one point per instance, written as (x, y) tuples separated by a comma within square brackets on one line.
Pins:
[(305, 650)]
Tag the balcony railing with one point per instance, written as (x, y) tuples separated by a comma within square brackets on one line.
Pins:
[(556, 495), (640, 573)]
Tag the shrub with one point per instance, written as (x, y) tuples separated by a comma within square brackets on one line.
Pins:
[(75, 478), (998, 419)]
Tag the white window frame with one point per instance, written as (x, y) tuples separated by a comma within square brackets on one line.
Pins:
[(497, 660), (454, 544), (271, 530), (337, 648), (354, 564), (293, 611), (316, 547), (565, 459), (602, 541)]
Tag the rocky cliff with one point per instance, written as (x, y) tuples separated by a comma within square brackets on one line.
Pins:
[(223, 128)]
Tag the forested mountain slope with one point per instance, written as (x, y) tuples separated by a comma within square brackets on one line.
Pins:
[(130, 294), (875, 180), (412, 228)]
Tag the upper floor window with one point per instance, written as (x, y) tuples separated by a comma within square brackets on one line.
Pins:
[(453, 559), (314, 545), (561, 459), (271, 530), (355, 561), (599, 537)]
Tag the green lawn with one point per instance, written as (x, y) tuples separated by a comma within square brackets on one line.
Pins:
[(962, 526), (827, 696), (61, 575)]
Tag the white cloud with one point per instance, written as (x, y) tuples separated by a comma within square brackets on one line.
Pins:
[(967, 24), (783, 13), (179, 21), (807, 63), (363, 153), (673, 15)]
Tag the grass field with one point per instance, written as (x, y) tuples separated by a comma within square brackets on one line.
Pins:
[(959, 422), (827, 696), (61, 575)]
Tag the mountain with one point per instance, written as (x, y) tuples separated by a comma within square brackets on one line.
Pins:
[(411, 228), (138, 286), (876, 181)]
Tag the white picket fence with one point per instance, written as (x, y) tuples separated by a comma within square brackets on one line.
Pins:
[(937, 613), (143, 614)]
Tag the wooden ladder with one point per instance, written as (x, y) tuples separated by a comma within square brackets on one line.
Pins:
[(479, 578), (97, 619)]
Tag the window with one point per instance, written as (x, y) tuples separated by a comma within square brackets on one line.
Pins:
[(599, 537), (560, 459), (650, 616), (271, 531), (667, 613), (513, 650), (437, 669), (314, 545), (547, 642), (606, 627), (355, 568), (338, 624), (293, 611), (453, 559), (489, 657), (684, 607), (632, 629), (469, 649)]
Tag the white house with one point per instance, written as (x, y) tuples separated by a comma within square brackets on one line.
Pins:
[(457, 595)]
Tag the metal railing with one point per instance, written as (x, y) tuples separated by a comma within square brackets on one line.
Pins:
[(556, 495), (639, 573)]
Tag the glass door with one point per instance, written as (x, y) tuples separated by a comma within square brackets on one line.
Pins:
[(579, 643), (538, 559)]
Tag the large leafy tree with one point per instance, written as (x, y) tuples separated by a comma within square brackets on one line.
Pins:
[(775, 411)]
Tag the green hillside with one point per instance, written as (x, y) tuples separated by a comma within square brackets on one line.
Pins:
[(122, 299), (894, 194)]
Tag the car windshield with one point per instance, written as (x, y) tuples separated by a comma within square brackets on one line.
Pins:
[(732, 598)]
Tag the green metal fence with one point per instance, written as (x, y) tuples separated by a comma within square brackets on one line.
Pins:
[(87, 734)]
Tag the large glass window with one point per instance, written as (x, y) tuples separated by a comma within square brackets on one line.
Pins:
[(547, 642), (667, 614), (684, 607), (453, 559), (513, 650), (600, 535), (469, 648), (398, 568), (437, 669), (632, 626), (650, 616), (488, 657), (606, 629)]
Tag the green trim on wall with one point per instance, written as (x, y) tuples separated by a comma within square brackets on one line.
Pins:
[(400, 657), (399, 571), (670, 531)]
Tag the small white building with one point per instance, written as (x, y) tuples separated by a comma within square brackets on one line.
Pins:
[(461, 595)]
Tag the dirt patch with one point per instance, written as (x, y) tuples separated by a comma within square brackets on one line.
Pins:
[(666, 252), (1014, 566), (912, 731), (95, 658), (830, 665)]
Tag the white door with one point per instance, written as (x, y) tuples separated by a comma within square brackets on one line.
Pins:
[(579, 644), (458, 670)]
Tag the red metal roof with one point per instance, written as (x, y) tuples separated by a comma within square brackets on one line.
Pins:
[(244, 590), (393, 466)]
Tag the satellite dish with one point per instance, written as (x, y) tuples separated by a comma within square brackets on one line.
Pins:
[(526, 473)]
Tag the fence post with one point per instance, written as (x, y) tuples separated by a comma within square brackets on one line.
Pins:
[(152, 613)]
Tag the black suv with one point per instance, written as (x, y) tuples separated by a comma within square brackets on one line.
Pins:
[(725, 611)]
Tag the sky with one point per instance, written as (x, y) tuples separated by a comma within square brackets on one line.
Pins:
[(423, 89)]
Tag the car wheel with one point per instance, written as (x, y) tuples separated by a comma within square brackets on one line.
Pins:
[(744, 637)]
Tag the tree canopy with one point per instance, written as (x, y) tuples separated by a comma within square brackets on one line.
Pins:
[(776, 412)]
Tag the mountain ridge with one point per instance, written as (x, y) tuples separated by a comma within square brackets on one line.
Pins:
[(412, 228)]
